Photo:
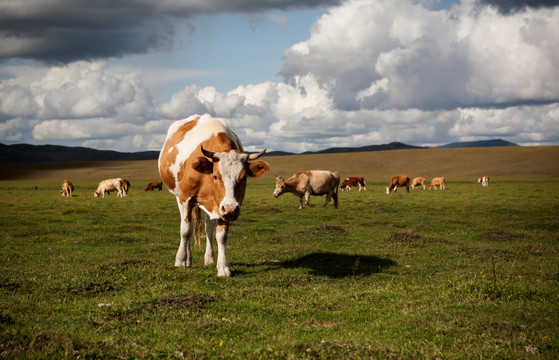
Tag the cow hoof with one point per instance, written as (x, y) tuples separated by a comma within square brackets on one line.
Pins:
[(224, 273), (182, 264)]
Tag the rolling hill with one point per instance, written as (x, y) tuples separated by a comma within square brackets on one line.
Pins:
[(25, 153)]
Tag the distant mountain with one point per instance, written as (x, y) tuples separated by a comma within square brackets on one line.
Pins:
[(24, 153), (391, 146), (480, 143)]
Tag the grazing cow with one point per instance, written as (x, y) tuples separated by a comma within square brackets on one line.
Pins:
[(125, 187), (353, 181), (418, 181), (108, 185), (203, 164), (312, 182), (437, 181), (484, 180), (398, 181), (67, 188), (154, 185)]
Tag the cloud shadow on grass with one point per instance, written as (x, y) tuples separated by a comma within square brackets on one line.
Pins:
[(338, 265)]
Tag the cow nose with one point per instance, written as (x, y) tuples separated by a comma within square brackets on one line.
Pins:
[(230, 211)]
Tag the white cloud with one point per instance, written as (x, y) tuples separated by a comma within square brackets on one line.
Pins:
[(371, 72)]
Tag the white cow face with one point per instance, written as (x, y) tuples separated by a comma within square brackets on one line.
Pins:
[(280, 186), (229, 171)]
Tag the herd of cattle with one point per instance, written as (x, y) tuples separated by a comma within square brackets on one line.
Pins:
[(203, 164), (120, 185)]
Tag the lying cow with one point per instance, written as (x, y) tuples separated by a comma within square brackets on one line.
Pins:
[(437, 181), (154, 185), (484, 180), (67, 188), (418, 181), (353, 181), (108, 185), (398, 181), (303, 184)]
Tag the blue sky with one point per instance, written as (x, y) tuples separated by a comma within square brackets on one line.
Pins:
[(286, 75)]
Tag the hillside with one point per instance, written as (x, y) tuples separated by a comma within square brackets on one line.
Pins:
[(25, 153), (500, 163)]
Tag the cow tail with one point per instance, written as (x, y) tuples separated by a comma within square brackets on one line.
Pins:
[(197, 224), (335, 195)]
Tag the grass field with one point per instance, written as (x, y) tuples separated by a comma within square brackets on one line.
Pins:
[(468, 272)]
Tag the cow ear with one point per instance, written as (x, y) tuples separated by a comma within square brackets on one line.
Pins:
[(258, 168), (203, 165)]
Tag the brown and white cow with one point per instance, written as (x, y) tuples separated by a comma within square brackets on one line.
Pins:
[(418, 181), (67, 188), (203, 164), (353, 181), (303, 184), (437, 181), (484, 180), (108, 185), (154, 185), (125, 187), (398, 181)]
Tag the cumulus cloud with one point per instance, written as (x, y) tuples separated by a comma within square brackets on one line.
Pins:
[(68, 30), (381, 71), (371, 72), (83, 100)]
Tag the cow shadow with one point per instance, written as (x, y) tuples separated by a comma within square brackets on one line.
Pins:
[(337, 266)]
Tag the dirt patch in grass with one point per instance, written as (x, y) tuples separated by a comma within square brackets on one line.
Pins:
[(127, 264), (183, 301), (402, 238), (89, 287), (501, 236)]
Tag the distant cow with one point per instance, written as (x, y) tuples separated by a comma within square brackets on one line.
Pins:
[(203, 164), (437, 181), (108, 185), (418, 181), (303, 184), (484, 180), (353, 181), (67, 188), (154, 185), (398, 181), (125, 187)]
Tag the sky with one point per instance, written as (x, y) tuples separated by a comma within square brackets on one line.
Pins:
[(286, 75)]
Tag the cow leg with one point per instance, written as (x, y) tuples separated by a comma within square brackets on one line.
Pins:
[(307, 198), (328, 196), (184, 255), (300, 202), (210, 230), (221, 237)]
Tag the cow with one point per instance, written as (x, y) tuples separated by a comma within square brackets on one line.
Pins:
[(125, 187), (437, 181), (203, 164), (154, 185), (108, 185), (398, 181), (418, 181), (353, 181), (303, 184), (484, 180), (67, 188)]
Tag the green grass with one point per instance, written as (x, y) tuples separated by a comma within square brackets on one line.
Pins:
[(469, 272)]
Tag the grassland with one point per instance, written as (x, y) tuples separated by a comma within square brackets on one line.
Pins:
[(469, 272)]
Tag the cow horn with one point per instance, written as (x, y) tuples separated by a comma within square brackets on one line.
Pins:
[(207, 153), (256, 155)]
